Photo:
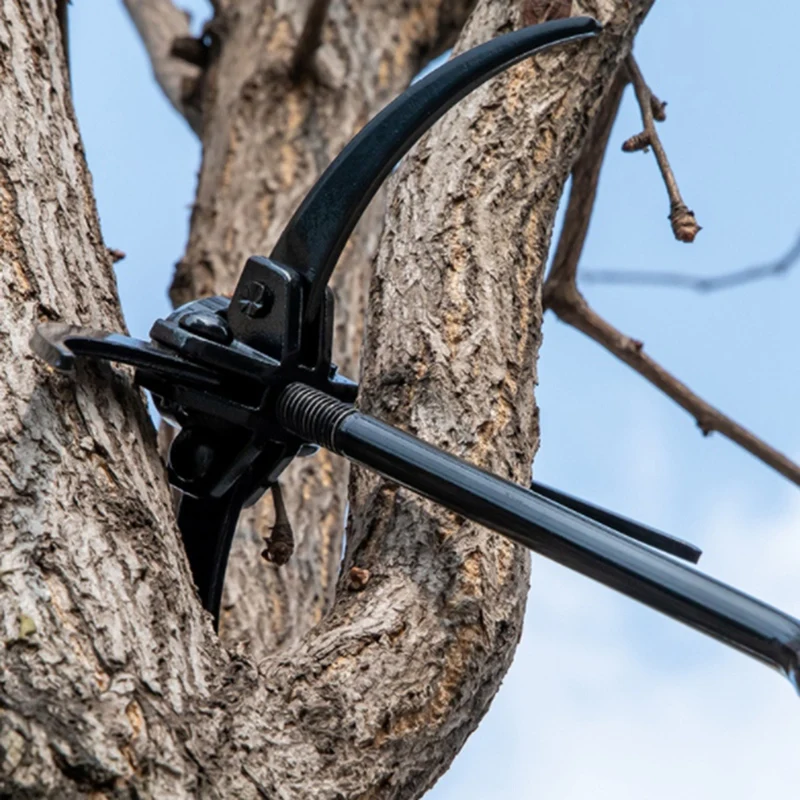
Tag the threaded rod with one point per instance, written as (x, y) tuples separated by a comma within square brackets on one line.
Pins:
[(311, 415)]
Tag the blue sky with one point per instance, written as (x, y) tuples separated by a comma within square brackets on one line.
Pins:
[(605, 698)]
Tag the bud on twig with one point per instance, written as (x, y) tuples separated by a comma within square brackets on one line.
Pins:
[(639, 141), (684, 224)]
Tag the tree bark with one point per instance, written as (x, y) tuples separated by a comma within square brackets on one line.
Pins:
[(111, 680), (104, 644)]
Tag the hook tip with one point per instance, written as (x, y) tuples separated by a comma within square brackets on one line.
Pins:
[(48, 342), (590, 25)]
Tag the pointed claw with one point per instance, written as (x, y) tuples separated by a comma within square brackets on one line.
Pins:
[(59, 345), (207, 525), (48, 342), (315, 236)]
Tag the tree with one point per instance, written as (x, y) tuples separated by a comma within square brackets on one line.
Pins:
[(112, 678)]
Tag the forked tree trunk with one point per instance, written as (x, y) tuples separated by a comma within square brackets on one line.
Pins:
[(112, 682)]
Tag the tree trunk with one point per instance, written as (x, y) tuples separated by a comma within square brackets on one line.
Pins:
[(111, 679)]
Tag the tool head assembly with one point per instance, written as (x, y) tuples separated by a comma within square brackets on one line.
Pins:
[(250, 383)]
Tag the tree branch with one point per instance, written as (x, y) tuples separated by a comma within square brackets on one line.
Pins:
[(159, 24), (561, 295), (678, 280), (310, 39), (459, 258), (583, 191), (684, 224), (94, 584), (113, 680), (572, 308)]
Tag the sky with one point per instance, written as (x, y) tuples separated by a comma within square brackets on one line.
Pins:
[(605, 698)]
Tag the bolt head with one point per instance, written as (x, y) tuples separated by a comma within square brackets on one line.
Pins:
[(208, 325), (256, 299)]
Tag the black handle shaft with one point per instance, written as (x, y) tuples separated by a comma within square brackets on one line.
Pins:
[(544, 526), (635, 530)]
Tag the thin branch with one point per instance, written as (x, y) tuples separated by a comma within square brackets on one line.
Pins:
[(310, 39), (585, 177), (573, 309), (280, 545), (561, 295), (678, 280), (159, 24), (684, 225)]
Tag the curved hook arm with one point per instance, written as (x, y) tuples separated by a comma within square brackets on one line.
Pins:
[(314, 238)]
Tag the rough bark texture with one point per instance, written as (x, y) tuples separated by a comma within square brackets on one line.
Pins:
[(111, 681), (104, 645)]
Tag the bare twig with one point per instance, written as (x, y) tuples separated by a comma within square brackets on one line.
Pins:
[(311, 37), (280, 545), (585, 177), (159, 23), (572, 308), (684, 224), (561, 295), (678, 280)]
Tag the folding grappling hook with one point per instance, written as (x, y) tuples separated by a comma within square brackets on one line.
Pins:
[(251, 385)]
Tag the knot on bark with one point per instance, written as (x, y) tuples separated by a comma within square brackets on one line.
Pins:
[(202, 52), (358, 578)]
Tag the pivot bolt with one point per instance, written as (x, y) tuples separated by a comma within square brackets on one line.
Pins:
[(256, 299)]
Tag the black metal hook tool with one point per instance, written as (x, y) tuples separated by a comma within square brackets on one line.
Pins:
[(251, 384)]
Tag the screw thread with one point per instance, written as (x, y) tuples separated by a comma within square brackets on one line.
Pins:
[(311, 415)]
